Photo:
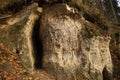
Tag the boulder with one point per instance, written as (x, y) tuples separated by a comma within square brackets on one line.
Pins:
[(73, 48), (17, 34)]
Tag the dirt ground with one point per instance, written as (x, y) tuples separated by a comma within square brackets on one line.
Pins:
[(11, 68)]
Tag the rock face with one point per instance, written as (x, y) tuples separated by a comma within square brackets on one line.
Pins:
[(68, 53), (17, 34), (75, 45)]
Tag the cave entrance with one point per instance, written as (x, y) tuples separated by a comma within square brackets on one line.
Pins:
[(106, 74), (37, 46)]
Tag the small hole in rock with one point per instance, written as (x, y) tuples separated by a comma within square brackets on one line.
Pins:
[(58, 45)]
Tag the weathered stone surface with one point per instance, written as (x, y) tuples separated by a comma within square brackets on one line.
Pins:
[(17, 34), (70, 54)]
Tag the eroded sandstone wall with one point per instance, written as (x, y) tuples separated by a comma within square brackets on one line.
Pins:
[(75, 41), (68, 53)]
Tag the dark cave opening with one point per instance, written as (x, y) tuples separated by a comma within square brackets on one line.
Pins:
[(106, 74), (37, 46)]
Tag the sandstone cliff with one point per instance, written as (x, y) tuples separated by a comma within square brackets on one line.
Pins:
[(72, 47), (67, 39)]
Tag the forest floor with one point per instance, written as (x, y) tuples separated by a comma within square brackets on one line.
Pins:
[(11, 69)]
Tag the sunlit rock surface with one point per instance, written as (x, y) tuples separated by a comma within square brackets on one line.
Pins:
[(67, 52)]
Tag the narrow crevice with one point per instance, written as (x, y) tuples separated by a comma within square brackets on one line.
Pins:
[(37, 46), (89, 18), (95, 20)]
